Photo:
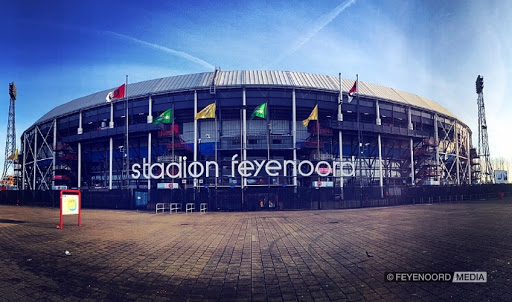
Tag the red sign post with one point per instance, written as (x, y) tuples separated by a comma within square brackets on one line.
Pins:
[(70, 204)]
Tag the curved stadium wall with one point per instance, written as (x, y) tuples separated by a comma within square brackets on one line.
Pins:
[(391, 138)]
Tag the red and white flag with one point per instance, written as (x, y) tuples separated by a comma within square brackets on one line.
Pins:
[(352, 92), (116, 94)]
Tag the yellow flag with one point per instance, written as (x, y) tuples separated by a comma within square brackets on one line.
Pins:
[(312, 117), (13, 156), (207, 112)]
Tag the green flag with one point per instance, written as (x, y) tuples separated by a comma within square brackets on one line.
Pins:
[(164, 118), (260, 111)]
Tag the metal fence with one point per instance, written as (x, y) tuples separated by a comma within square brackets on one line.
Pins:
[(264, 198)]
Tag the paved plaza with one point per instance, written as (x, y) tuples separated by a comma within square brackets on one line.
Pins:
[(329, 255)]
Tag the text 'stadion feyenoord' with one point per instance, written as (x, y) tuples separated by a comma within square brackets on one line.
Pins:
[(245, 168)]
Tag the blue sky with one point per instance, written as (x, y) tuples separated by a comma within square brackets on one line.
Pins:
[(57, 51)]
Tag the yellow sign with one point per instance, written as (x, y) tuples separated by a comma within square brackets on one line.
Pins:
[(70, 204)]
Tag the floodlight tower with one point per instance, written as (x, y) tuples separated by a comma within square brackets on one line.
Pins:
[(11, 154), (487, 174)]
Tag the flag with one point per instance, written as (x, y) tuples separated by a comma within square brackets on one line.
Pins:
[(164, 118), (116, 94), (352, 91), (13, 156), (312, 117), (260, 111), (207, 112)]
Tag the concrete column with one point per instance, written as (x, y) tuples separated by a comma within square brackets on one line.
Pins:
[(377, 113), (381, 177), (150, 112), (409, 119), (80, 130), (111, 123)]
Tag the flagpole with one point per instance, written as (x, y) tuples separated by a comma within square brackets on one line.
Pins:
[(216, 139), (340, 136), (317, 132), (318, 136), (242, 158), (172, 132), (127, 135), (268, 137), (195, 133), (359, 140), (244, 125)]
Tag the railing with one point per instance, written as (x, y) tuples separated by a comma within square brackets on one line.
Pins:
[(178, 146), (386, 129), (257, 142)]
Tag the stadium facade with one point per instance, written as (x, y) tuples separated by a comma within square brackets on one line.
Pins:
[(389, 139)]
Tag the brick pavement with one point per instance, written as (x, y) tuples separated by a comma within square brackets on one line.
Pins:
[(274, 256)]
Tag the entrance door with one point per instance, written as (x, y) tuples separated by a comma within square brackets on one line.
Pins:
[(141, 199)]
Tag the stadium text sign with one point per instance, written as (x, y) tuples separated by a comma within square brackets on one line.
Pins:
[(244, 168)]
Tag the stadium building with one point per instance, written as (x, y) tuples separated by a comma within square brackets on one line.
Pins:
[(388, 139)]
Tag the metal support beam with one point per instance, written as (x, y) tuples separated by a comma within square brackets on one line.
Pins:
[(111, 147), (195, 125), (381, 177), (294, 136), (470, 181), (24, 140), (79, 184), (340, 134), (195, 130), (244, 121), (412, 162), (436, 138), (457, 155), (54, 150), (149, 156), (35, 157), (244, 129), (127, 151)]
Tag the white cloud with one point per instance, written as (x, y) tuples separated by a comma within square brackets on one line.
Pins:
[(173, 52), (316, 27)]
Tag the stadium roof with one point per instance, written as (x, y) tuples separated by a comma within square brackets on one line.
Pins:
[(248, 78)]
